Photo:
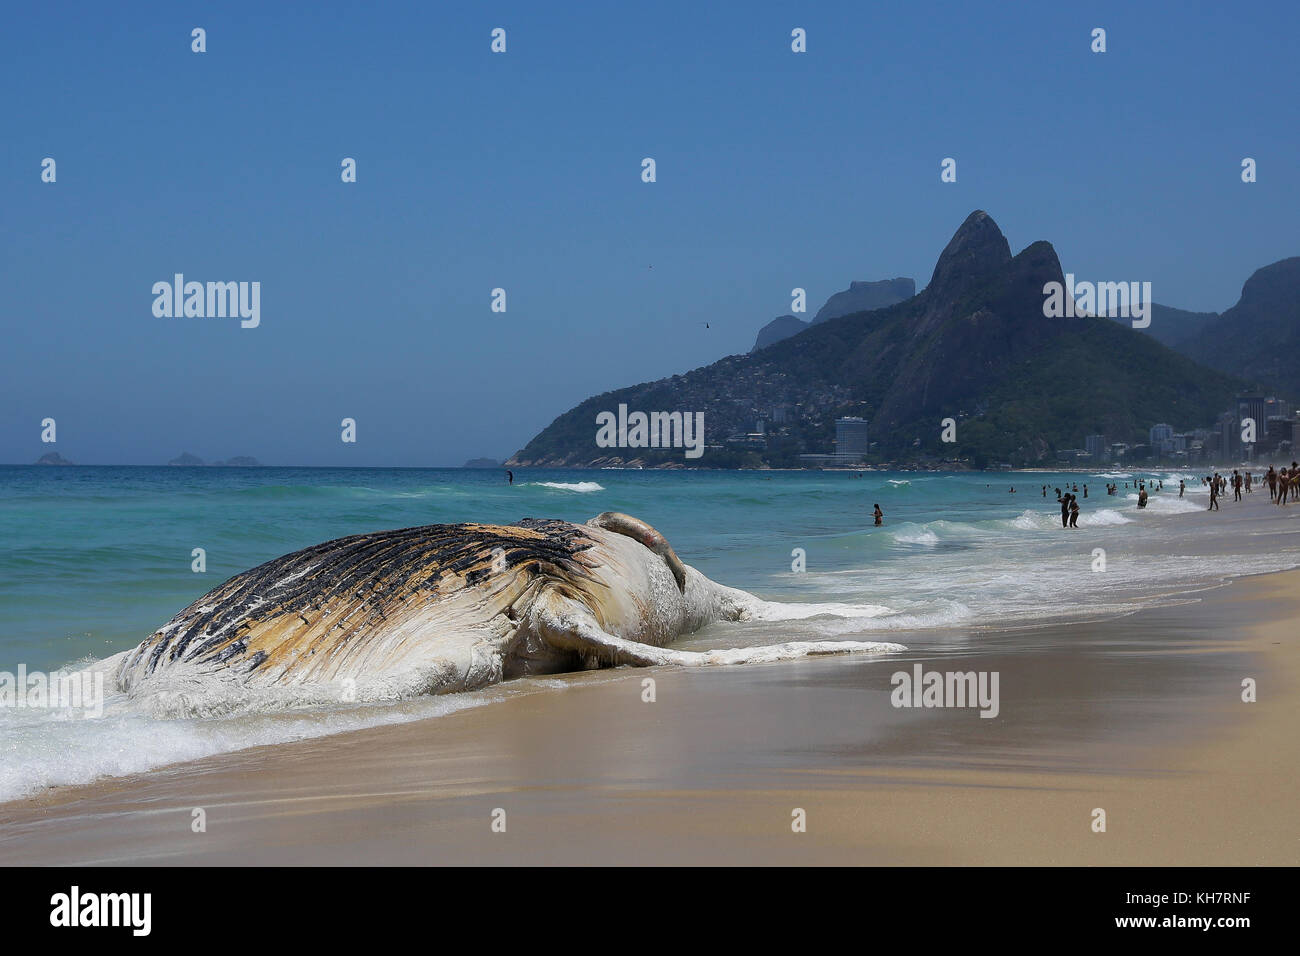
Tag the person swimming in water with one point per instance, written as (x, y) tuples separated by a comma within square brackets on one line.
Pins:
[(880, 515)]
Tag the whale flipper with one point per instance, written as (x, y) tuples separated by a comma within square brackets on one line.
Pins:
[(567, 625)]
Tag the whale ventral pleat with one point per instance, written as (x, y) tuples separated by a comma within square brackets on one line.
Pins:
[(361, 577)]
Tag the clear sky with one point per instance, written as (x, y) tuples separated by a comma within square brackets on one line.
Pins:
[(522, 171)]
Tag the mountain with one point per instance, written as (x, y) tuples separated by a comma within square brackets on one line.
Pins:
[(1174, 327), (482, 463), (974, 346), (858, 297), (782, 327), (1257, 339), (186, 460), (865, 296), (52, 458)]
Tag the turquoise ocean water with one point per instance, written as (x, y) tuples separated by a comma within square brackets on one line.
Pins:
[(93, 559)]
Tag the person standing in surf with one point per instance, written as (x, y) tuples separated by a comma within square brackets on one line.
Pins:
[(879, 515)]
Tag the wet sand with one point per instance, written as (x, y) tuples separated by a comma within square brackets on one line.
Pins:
[(1140, 716)]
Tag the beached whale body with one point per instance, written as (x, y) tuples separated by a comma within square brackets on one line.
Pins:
[(444, 608)]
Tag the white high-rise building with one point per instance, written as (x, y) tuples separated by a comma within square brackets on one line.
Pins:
[(851, 437)]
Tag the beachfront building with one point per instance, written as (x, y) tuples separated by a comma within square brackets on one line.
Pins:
[(1277, 431), (851, 443), (851, 437), (1229, 446), (1097, 448), (1254, 407)]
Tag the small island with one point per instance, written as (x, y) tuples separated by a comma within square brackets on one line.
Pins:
[(53, 458), (482, 463)]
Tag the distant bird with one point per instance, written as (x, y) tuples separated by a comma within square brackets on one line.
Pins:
[(706, 325)]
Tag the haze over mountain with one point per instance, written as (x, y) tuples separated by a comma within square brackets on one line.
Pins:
[(858, 297), (1259, 337), (864, 297), (782, 327), (1174, 327), (974, 346)]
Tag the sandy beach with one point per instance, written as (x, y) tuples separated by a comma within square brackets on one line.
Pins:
[(1141, 716)]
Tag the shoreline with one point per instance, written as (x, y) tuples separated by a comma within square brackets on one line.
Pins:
[(1139, 715)]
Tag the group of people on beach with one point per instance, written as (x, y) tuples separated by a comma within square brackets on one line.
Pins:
[(1283, 485), (1069, 500)]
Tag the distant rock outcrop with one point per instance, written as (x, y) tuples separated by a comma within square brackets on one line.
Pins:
[(186, 460), (858, 297), (52, 458), (782, 327), (482, 463), (865, 297)]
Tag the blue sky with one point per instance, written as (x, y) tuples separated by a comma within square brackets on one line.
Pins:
[(522, 171)]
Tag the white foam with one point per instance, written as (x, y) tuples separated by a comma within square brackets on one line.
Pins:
[(579, 486), (791, 651), (782, 611), (1173, 505), (1035, 521), (1046, 521), (45, 748), (924, 536), (1102, 517)]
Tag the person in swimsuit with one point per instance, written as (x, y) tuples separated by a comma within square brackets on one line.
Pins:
[(880, 515)]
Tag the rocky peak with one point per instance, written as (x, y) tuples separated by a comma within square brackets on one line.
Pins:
[(976, 250)]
